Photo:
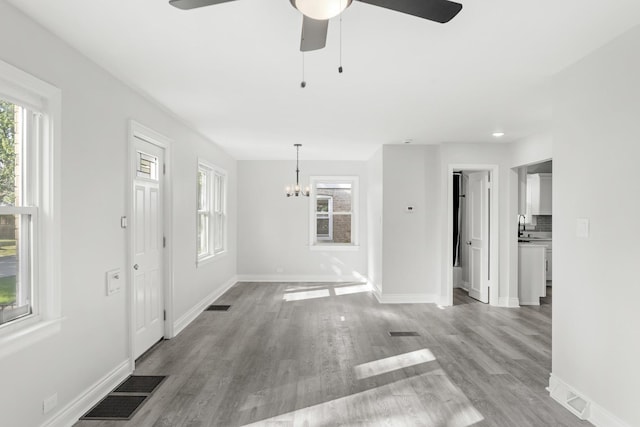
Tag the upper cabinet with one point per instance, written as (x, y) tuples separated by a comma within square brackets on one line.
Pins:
[(539, 194)]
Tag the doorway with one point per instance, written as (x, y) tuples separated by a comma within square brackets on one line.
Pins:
[(148, 256), (472, 268), (534, 263)]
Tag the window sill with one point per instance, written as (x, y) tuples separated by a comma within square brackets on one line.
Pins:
[(334, 247), (211, 259), (18, 336)]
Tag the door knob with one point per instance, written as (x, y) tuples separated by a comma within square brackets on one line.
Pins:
[(469, 243), (135, 266)]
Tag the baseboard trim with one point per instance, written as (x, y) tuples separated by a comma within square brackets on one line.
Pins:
[(377, 291), (195, 311), (508, 302), (566, 395), (70, 414), (406, 298), (267, 278)]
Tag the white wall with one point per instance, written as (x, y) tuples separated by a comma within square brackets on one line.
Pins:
[(416, 256), (411, 250), (96, 108), (374, 219), (532, 150), (273, 230), (596, 148)]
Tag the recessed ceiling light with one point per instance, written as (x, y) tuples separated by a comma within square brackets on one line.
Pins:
[(498, 134)]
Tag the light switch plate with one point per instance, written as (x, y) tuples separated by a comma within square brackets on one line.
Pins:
[(582, 228)]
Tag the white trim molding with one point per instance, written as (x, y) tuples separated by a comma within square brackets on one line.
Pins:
[(509, 302), (407, 298), (273, 278), (70, 414), (581, 405), (195, 311), (494, 283)]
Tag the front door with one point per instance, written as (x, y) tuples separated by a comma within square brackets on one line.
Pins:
[(147, 234), (478, 202)]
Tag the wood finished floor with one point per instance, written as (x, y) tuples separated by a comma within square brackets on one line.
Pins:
[(320, 355)]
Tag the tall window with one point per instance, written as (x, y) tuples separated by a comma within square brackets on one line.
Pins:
[(334, 212), (211, 211)]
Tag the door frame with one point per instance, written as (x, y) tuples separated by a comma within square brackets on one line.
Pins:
[(494, 232), (137, 130)]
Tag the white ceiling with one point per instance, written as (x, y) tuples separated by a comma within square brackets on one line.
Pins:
[(232, 71)]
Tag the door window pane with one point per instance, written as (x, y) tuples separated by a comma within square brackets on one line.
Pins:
[(147, 166)]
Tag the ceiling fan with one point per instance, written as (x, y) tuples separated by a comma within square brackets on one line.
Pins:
[(316, 13)]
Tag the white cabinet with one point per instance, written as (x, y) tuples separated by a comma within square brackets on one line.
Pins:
[(539, 194), (531, 273)]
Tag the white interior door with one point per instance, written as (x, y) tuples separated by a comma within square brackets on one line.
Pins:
[(478, 208), (147, 229)]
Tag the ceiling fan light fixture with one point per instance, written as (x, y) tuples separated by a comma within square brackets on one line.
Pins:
[(321, 9)]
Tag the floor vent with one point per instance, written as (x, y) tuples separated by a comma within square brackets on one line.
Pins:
[(404, 334), (215, 307), (140, 384), (123, 402), (578, 405), (116, 407)]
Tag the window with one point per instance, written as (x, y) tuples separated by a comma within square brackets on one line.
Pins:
[(334, 212), (17, 210), (211, 211), (29, 226)]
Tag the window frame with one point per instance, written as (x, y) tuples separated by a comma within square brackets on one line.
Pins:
[(316, 244), (215, 212), (43, 101)]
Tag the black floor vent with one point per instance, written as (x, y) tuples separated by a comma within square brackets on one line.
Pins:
[(116, 407), (404, 334), (140, 384), (123, 402), (215, 307)]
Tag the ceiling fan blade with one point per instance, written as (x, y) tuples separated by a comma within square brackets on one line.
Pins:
[(434, 10), (314, 34), (193, 4)]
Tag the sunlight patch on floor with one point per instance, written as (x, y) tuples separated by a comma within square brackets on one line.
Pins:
[(393, 363), (304, 292), (355, 289), (389, 405)]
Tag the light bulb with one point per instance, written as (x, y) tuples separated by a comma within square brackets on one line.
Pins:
[(321, 9)]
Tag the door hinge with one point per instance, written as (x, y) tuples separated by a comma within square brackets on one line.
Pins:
[(164, 314), (164, 169), (164, 242)]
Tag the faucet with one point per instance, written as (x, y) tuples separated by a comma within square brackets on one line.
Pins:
[(521, 221)]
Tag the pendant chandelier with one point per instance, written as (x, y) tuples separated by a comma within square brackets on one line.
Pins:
[(296, 190)]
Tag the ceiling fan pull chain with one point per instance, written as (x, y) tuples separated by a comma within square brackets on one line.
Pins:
[(303, 84), (340, 66)]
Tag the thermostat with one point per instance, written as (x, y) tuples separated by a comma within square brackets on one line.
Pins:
[(410, 209)]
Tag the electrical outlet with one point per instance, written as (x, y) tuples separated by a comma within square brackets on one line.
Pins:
[(49, 403)]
